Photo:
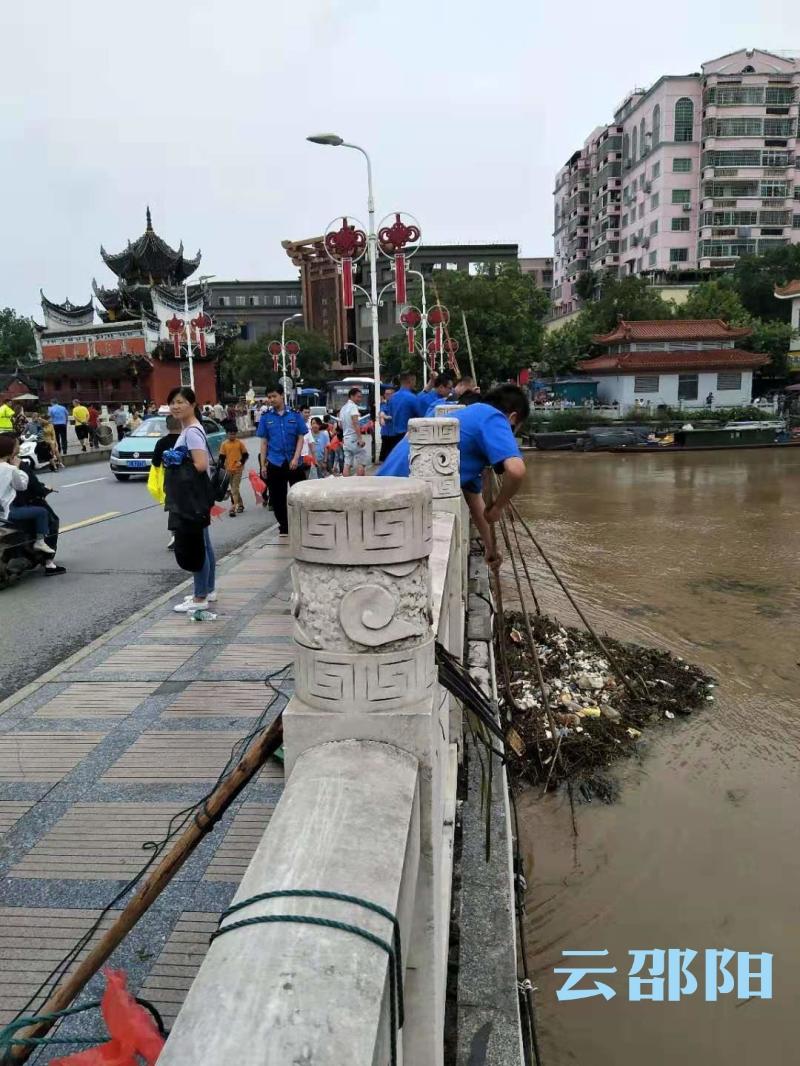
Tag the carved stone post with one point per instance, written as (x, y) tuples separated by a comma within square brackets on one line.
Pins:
[(365, 670)]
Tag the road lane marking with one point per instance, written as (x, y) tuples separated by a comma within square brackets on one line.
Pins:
[(91, 480), (90, 521)]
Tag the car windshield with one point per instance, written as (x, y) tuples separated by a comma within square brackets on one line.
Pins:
[(151, 427)]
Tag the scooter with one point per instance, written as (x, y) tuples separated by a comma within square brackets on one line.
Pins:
[(36, 452), (17, 554)]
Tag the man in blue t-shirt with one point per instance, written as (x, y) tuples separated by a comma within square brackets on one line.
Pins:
[(431, 399), (486, 439), (401, 407), (59, 417), (281, 432)]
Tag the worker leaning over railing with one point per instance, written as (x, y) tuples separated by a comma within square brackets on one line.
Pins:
[(486, 439)]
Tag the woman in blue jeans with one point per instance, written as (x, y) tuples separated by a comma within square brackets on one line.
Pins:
[(183, 406), (12, 481)]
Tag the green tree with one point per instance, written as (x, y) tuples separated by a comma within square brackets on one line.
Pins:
[(563, 347), (755, 277), (17, 342), (251, 362), (504, 312), (630, 297)]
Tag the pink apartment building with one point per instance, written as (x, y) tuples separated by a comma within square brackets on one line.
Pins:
[(693, 173)]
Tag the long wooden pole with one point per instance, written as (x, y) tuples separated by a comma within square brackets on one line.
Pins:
[(156, 881), (469, 346)]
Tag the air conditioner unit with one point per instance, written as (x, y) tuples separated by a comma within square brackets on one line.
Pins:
[(687, 208)]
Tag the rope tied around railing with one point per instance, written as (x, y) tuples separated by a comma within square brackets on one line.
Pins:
[(393, 949)]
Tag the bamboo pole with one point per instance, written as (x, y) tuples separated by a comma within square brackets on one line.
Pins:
[(469, 346), (155, 883)]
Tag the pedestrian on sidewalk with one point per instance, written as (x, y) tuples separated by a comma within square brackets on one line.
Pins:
[(6, 417), (155, 479), (355, 452), (48, 434), (189, 497), (94, 426), (120, 417), (81, 415), (235, 456), (320, 439), (14, 481), (335, 449), (59, 418), (281, 432)]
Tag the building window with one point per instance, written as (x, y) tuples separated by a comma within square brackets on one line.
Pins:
[(646, 383), (292, 299), (795, 221), (656, 171), (642, 140), (277, 300), (679, 255), (681, 196), (654, 228), (240, 301), (681, 165), (634, 145), (729, 381), (680, 225), (656, 125), (224, 301), (253, 301), (654, 201), (626, 148), (624, 243), (641, 209), (624, 221), (774, 189), (687, 386), (115, 383), (652, 259), (684, 119)]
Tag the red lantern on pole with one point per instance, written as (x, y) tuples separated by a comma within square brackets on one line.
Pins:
[(432, 356), (411, 318), (344, 246), (451, 347), (393, 240), (274, 350), (293, 350), (202, 324), (175, 327), (438, 316)]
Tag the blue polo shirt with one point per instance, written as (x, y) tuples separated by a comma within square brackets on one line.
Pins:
[(486, 439), (58, 414), (401, 407), (281, 432)]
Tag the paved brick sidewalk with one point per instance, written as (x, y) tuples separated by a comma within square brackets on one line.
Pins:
[(97, 759)]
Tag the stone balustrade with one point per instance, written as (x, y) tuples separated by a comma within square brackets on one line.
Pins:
[(371, 754)]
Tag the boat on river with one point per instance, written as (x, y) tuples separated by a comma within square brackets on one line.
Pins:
[(766, 434)]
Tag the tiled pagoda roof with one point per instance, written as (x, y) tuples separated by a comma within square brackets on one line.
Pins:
[(150, 260), (682, 329), (663, 362), (789, 291)]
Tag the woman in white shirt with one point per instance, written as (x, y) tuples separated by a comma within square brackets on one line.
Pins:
[(12, 481)]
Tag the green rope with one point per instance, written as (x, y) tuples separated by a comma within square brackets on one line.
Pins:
[(8, 1040), (396, 1005)]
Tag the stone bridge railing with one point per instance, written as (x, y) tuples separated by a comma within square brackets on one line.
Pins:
[(372, 747)]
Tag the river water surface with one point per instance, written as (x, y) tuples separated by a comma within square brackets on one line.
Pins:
[(699, 553)]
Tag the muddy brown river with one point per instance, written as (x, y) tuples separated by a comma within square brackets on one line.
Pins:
[(699, 553)]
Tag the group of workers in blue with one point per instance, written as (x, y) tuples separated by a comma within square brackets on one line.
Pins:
[(488, 424)]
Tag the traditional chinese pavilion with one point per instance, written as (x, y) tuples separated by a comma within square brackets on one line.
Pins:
[(137, 351), (681, 362)]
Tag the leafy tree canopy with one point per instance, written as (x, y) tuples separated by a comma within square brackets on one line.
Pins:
[(251, 362), (630, 297), (755, 277), (17, 342)]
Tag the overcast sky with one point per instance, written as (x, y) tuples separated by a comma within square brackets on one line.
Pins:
[(201, 109)]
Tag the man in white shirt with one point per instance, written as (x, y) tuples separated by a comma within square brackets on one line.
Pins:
[(355, 452)]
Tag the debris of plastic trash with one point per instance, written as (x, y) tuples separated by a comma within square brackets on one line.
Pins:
[(589, 712), (669, 714), (589, 682), (609, 712), (203, 616), (516, 636), (633, 732)]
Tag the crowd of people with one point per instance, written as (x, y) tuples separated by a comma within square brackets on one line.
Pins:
[(293, 446)]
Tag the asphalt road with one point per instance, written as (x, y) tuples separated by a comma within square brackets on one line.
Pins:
[(113, 543)]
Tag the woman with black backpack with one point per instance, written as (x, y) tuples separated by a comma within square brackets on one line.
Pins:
[(189, 498)]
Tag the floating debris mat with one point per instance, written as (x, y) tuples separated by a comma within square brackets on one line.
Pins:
[(593, 717)]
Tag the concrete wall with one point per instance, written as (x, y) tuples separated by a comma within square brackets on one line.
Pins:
[(621, 388)]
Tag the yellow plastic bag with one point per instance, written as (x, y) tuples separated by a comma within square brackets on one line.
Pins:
[(155, 484)]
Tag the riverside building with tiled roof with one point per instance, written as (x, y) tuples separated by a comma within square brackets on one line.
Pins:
[(693, 173), (674, 364)]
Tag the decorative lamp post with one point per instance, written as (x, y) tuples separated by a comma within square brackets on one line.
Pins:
[(399, 239), (451, 347), (275, 350), (438, 317), (411, 319), (346, 246), (175, 327), (293, 350)]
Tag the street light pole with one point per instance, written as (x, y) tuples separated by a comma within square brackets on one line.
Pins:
[(188, 325), (372, 244), (283, 342), (421, 276)]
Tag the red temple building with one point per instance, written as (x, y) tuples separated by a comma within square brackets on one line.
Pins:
[(137, 351)]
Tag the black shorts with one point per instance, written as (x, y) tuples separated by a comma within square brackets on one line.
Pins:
[(82, 432)]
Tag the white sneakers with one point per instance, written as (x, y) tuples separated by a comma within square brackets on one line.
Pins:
[(191, 604), (40, 546)]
